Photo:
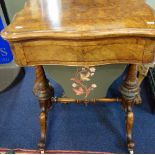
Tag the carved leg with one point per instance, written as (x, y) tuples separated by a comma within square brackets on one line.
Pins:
[(129, 90), (44, 92), (129, 126), (142, 73)]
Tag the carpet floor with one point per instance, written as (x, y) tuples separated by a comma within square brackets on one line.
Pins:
[(98, 128)]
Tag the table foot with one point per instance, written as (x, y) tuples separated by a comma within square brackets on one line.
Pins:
[(129, 126), (42, 151), (131, 151), (41, 146), (130, 147)]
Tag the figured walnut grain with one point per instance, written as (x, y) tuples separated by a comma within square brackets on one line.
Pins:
[(78, 19)]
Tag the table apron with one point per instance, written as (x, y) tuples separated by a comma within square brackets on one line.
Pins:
[(82, 53)]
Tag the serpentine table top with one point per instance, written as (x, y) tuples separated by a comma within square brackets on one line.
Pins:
[(82, 32)]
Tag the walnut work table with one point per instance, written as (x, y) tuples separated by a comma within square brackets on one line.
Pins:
[(83, 33)]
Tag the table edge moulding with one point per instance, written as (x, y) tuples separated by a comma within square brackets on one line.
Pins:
[(83, 33)]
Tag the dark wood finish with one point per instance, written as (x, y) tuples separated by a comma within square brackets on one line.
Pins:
[(44, 92), (83, 33)]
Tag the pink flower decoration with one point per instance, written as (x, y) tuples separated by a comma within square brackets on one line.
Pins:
[(82, 76), (88, 92), (78, 91)]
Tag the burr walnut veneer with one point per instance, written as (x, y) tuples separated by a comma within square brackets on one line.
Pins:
[(83, 33)]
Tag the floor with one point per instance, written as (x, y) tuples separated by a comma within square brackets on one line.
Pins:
[(97, 127)]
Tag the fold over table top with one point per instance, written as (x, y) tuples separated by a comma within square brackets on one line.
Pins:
[(82, 32), (82, 19)]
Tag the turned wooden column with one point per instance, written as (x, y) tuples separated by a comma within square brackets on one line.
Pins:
[(129, 90), (44, 92)]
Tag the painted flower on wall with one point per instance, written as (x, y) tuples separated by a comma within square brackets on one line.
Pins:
[(80, 84)]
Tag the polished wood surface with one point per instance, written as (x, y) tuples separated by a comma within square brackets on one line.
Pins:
[(44, 92), (129, 90), (89, 32), (70, 19), (83, 33), (84, 53), (85, 101)]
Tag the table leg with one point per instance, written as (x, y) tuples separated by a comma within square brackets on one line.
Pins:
[(129, 90), (44, 92), (142, 73)]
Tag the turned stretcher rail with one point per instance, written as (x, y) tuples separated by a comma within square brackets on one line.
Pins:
[(85, 101)]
